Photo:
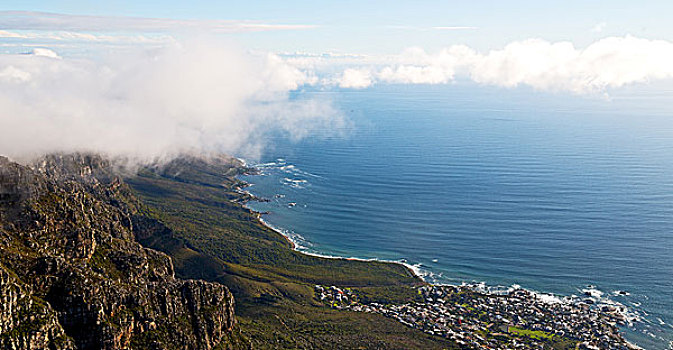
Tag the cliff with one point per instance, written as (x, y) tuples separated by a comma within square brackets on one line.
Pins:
[(73, 276)]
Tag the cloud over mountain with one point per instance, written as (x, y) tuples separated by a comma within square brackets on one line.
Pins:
[(201, 96)]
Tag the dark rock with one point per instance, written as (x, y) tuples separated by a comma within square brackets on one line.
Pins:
[(73, 276)]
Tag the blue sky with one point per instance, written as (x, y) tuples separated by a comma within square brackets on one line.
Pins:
[(376, 27)]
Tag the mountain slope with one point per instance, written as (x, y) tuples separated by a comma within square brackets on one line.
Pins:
[(72, 275)]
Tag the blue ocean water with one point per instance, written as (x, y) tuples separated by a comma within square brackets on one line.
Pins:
[(551, 192)]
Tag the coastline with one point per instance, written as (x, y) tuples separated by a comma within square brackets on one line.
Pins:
[(413, 270), (416, 272), (267, 225), (481, 288)]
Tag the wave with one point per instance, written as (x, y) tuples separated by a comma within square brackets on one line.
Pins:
[(293, 169), (281, 165), (294, 183), (298, 241), (267, 165)]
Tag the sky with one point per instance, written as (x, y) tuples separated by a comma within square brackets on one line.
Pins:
[(375, 27), (152, 79)]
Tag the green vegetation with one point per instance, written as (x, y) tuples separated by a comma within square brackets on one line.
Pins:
[(387, 295), (292, 325), (539, 335), (101, 263), (555, 341), (190, 209)]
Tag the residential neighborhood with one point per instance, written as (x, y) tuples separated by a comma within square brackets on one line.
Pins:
[(517, 319)]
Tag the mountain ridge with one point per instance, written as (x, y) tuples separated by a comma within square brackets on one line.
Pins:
[(72, 274)]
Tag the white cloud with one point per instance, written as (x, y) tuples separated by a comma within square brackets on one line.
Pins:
[(415, 66), (607, 63), (290, 77), (12, 74), (414, 74), (355, 78), (39, 51), (195, 97)]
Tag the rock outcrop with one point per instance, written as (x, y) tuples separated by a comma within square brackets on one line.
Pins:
[(73, 276)]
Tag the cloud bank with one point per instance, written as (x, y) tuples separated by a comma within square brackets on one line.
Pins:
[(208, 96), (608, 63), (196, 97)]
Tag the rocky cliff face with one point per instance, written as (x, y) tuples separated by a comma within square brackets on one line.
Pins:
[(72, 275)]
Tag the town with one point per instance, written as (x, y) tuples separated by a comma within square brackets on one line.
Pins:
[(516, 319)]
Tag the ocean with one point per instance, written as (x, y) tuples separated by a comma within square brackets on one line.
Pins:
[(556, 193)]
